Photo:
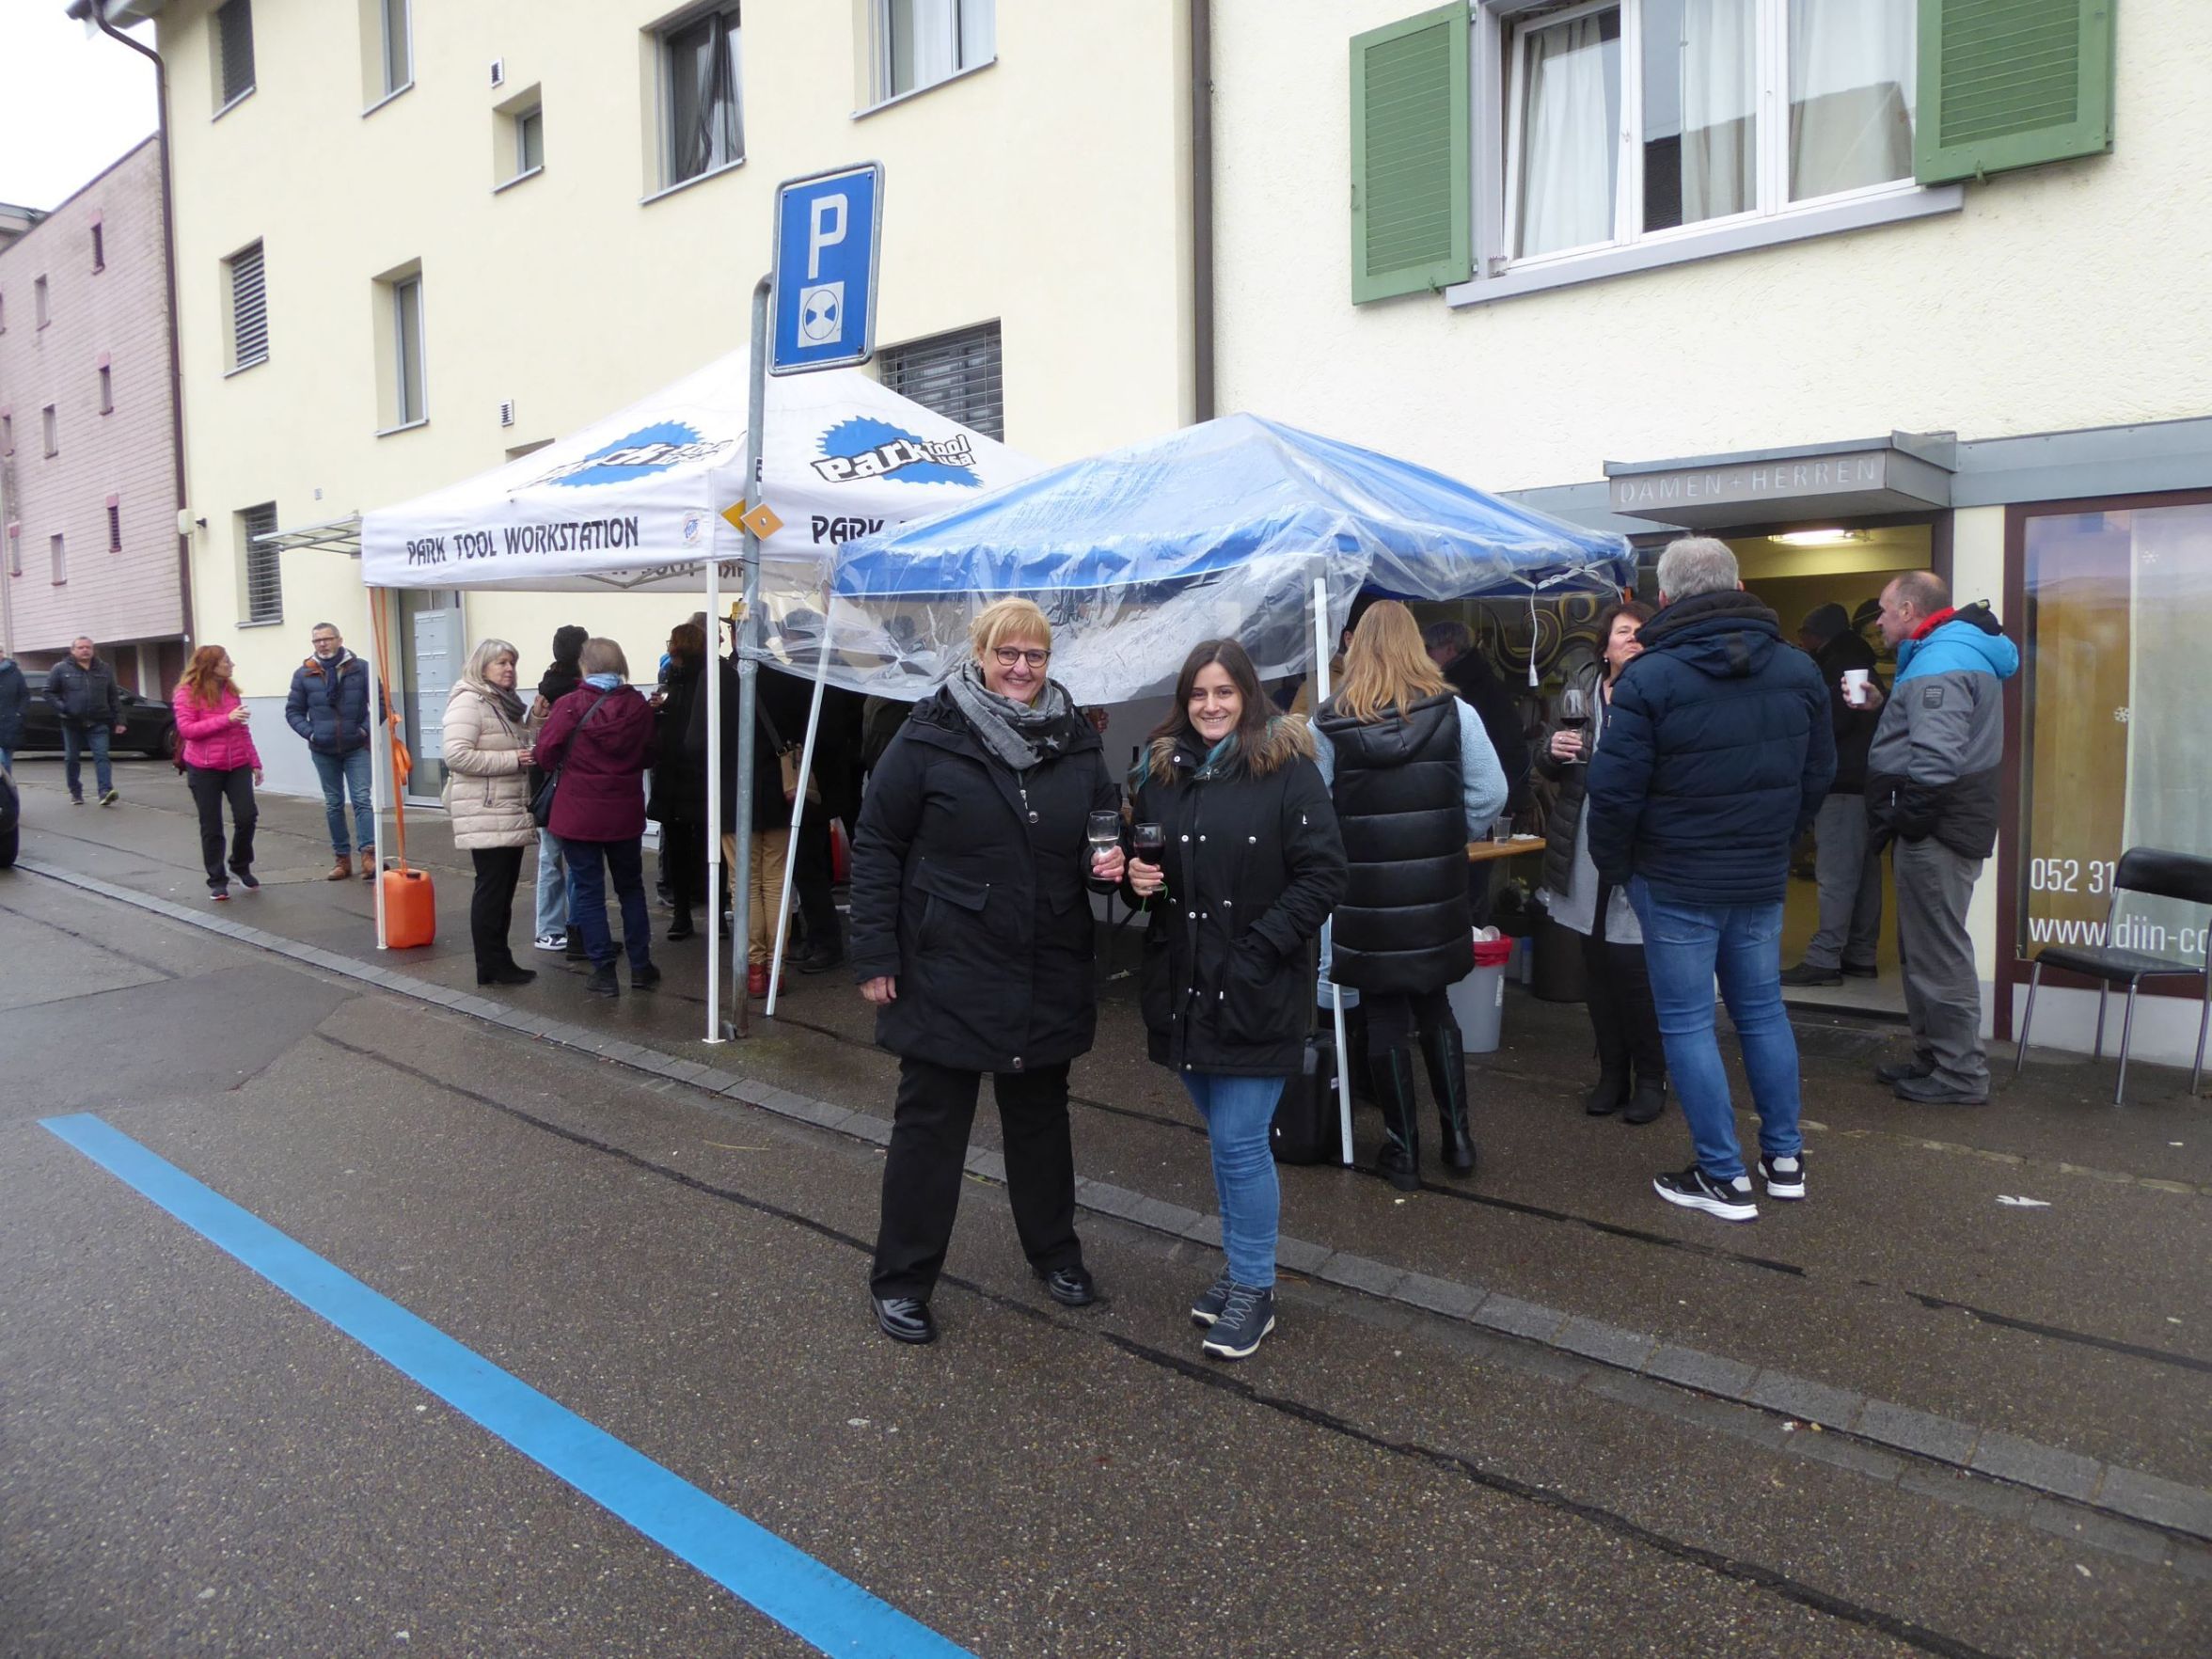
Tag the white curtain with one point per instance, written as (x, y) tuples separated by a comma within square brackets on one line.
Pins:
[(924, 42), (2168, 743), (1570, 126), (979, 32), (1850, 93), (1720, 94)]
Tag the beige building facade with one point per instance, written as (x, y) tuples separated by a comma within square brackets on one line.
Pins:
[(415, 239)]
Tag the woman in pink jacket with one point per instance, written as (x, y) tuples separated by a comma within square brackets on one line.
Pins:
[(220, 761)]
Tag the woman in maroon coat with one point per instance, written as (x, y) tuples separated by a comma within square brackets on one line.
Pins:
[(599, 739)]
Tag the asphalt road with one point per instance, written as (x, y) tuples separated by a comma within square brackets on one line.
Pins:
[(193, 1462)]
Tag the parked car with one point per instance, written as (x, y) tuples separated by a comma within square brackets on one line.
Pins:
[(148, 724), (10, 812)]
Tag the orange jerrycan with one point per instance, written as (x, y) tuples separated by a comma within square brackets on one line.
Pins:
[(410, 909)]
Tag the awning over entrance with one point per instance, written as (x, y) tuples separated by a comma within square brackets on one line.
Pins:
[(1905, 472)]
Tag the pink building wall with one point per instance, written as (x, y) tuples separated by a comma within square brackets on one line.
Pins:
[(118, 316)]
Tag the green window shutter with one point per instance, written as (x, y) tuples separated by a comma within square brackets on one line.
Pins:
[(2011, 84), (1411, 215)]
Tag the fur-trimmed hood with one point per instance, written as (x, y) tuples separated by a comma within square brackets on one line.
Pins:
[(1175, 755)]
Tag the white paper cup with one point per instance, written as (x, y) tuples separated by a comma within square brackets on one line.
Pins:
[(1855, 686)]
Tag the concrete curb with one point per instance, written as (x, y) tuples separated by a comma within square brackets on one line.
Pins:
[(2148, 1499)]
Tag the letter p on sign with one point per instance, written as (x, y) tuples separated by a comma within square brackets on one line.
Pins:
[(825, 229)]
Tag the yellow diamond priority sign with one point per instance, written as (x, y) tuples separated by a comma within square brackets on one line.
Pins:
[(760, 519)]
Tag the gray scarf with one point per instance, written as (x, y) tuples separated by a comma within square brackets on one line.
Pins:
[(1018, 734), (507, 701)]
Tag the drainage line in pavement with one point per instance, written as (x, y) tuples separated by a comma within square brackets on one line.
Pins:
[(1714, 1561), (2057, 1333)]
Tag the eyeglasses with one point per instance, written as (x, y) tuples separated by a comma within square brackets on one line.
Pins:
[(1010, 654)]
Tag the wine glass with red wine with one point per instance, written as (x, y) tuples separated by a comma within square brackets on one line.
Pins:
[(1574, 716)]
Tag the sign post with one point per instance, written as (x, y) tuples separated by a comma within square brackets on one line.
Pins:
[(817, 309)]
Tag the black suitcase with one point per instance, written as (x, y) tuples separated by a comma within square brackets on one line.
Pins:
[(1307, 1124)]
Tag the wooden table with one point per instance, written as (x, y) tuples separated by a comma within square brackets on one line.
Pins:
[(1481, 851)]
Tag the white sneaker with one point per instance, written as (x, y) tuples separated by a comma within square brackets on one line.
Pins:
[(556, 941)]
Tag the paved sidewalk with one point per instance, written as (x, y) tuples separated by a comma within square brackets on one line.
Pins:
[(1905, 1307)]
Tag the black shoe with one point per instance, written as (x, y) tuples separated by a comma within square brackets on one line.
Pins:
[(1784, 1176), (904, 1318), (220, 894), (644, 978), (1399, 1160), (1648, 1103), (1933, 1091), (1071, 1287), (1899, 1071), (246, 879), (1246, 1318), (1852, 971), (506, 973), (820, 958), (574, 949), (680, 929), (1610, 1094), (1211, 1300), (1693, 1189), (1446, 1057), (1806, 973), (603, 982)]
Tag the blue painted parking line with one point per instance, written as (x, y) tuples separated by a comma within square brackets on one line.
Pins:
[(814, 1604)]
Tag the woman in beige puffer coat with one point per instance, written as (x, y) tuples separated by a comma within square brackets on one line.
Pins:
[(487, 753)]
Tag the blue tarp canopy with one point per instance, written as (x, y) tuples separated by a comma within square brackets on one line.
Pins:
[(1220, 528)]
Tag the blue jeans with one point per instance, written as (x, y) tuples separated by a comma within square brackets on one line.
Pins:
[(74, 741), (552, 885), (1238, 1112), (344, 775), (7, 760), (1684, 947), (587, 898)]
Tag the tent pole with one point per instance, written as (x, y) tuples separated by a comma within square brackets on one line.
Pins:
[(1336, 990), (713, 672), (806, 771), (748, 668), (377, 749)]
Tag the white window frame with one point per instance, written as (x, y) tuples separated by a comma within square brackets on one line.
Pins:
[(524, 166), (405, 9), (50, 431), (1498, 46), (664, 34), (403, 290), (882, 94), (58, 554)]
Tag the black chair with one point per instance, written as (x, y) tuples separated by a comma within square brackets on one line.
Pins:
[(2162, 874)]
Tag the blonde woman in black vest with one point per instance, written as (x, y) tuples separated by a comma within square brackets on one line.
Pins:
[(1415, 779)]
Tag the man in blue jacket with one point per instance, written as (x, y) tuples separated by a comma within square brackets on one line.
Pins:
[(1718, 750), (1932, 782), (15, 698), (328, 705)]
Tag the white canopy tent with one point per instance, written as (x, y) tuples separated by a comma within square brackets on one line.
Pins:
[(637, 502)]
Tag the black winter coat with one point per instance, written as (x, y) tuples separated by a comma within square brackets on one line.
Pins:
[(1565, 817), (969, 885), (1717, 753), (1254, 865), (779, 700), (83, 696), (1854, 727), (15, 699), (679, 770)]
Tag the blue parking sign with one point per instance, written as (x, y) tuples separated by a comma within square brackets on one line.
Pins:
[(827, 231)]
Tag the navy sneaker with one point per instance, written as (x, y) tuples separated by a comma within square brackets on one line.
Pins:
[(246, 879), (1693, 1189), (1212, 1301), (1246, 1318), (1784, 1176)]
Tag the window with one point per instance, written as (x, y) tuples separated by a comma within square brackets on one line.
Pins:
[(59, 556), (115, 525), (7, 434), (15, 549), (920, 42), (529, 140), (99, 250), (3, 312), (407, 400), (700, 83), (395, 44), (959, 375), (249, 312), (107, 390), (39, 302), (52, 428), (234, 57), (1633, 119), (264, 580)]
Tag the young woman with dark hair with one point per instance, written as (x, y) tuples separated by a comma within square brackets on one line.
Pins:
[(1250, 866)]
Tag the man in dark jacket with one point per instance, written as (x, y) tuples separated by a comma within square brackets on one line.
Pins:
[(1717, 754), (1847, 866), (328, 705), (1932, 782), (15, 701), (82, 689)]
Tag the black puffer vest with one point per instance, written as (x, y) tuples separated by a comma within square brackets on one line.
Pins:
[(1403, 924)]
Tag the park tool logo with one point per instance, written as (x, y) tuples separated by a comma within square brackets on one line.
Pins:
[(865, 448), (647, 450)]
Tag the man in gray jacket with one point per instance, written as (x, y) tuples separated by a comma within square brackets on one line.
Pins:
[(1933, 784)]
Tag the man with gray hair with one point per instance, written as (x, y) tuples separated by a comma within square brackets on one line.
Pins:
[(1718, 750)]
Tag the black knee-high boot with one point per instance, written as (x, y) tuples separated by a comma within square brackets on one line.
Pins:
[(1391, 1071), (1446, 1058)]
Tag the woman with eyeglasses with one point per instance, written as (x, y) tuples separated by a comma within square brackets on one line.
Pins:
[(1251, 863), (971, 934)]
